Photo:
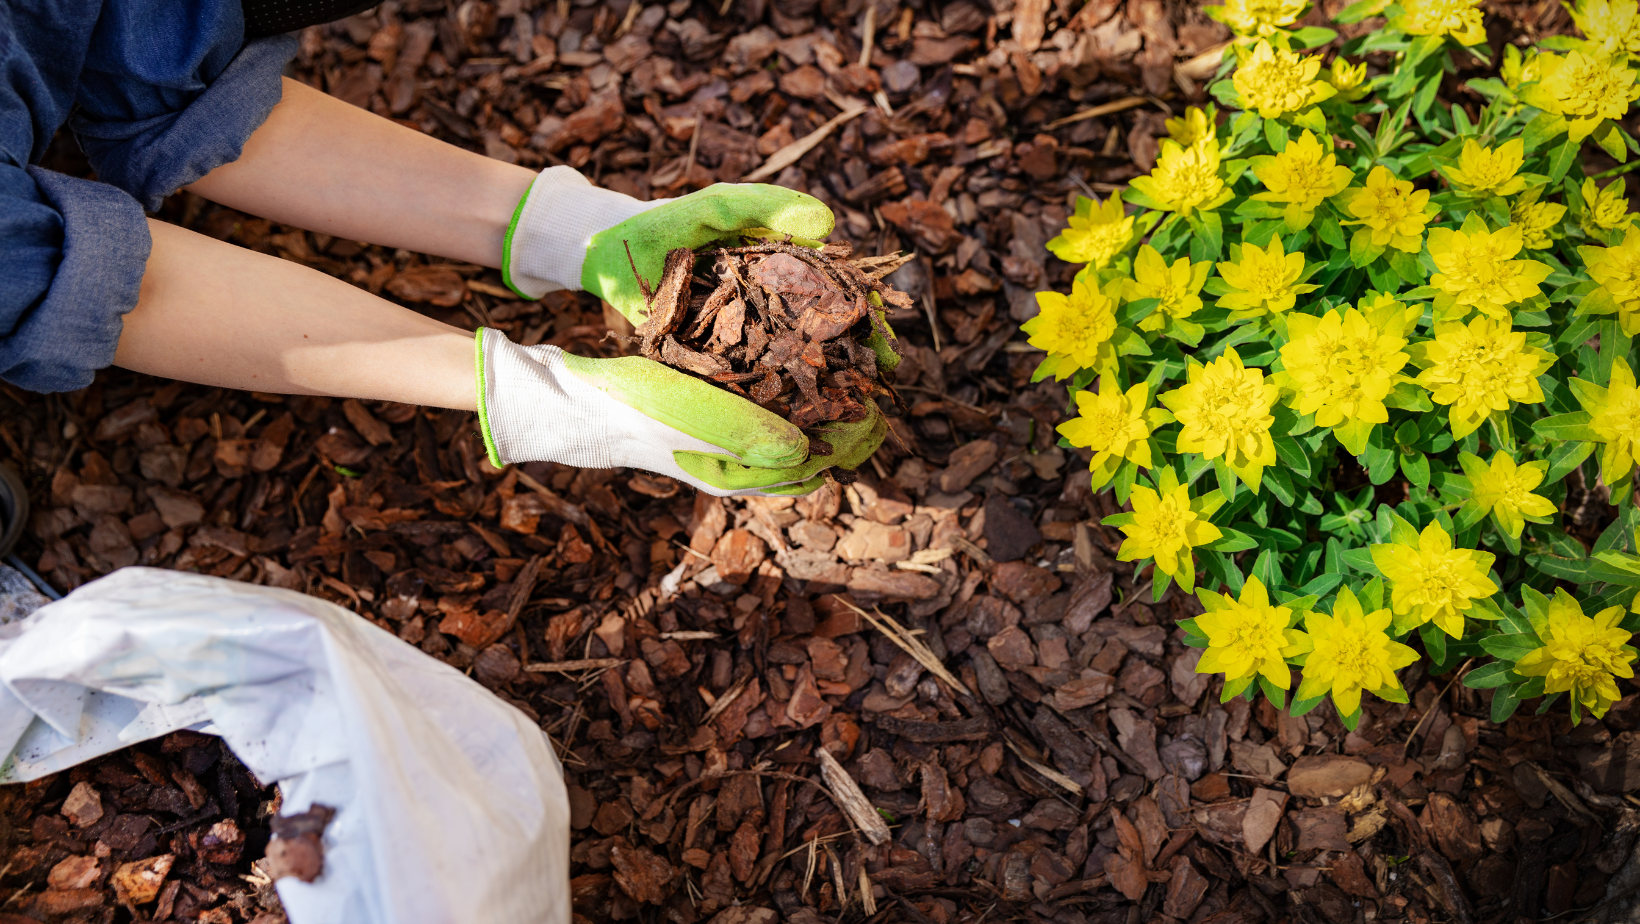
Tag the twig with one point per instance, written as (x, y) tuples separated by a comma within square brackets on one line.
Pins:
[(567, 667), (908, 643), (1120, 105), (643, 284), (1432, 705), (791, 153), (846, 793)]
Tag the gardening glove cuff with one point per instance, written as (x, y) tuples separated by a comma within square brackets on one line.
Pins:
[(546, 243)]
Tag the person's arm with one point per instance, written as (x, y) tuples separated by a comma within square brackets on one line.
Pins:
[(328, 166), (217, 314)]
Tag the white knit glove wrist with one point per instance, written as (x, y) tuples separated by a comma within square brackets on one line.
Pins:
[(546, 243), (534, 409)]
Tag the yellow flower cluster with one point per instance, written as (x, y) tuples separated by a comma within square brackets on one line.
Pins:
[(1586, 89), (1224, 412), (1075, 331), (1430, 581), (1614, 416), (1581, 655), (1477, 270), (1341, 366), (1391, 212), (1460, 19), (1479, 368), (1303, 176), (1617, 270), (1274, 81), (1185, 178)]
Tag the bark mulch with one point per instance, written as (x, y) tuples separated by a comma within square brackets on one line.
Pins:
[(931, 695)]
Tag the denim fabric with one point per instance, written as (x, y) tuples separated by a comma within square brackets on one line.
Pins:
[(160, 93)]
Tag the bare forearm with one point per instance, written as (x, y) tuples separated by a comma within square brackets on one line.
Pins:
[(221, 315), (324, 165)]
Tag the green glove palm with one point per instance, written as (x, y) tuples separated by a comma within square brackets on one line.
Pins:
[(713, 214)]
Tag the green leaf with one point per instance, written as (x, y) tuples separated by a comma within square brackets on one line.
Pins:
[(1360, 560), (1488, 676), (1275, 135), (1434, 642), (1561, 160), (1504, 703), (1415, 465), (1566, 458), (1311, 36), (1511, 647), (1292, 456), (1573, 426), (1303, 706), (1231, 540)]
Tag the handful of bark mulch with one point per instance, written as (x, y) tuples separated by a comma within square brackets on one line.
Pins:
[(795, 330)]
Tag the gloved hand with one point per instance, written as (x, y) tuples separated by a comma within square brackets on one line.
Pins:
[(542, 404), (568, 234)]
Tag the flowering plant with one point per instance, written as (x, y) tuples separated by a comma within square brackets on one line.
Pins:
[(1349, 354)]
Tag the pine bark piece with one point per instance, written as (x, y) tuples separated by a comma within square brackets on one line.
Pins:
[(850, 799), (666, 309)]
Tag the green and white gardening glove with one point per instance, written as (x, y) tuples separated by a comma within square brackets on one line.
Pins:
[(568, 234), (540, 404)]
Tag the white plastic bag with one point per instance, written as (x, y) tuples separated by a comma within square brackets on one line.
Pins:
[(451, 804)]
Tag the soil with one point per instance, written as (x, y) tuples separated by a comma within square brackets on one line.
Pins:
[(930, 695)]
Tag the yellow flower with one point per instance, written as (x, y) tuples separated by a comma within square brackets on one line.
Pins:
[(1175, 287), (1614, 416), (1586, 89), (1617, 271), (1476, 269), (1347, 78), (1274, 82), (1165, 525), (1489, 171), (1606, 209), (1431, 581), (1581, 655), (1263, 280), (1536, 221), (1479, 368), (1257, 17), (1518, 67), (1185, 178), (1460, 19), (1097, 233), (1076, 330), (1224, 410), (1351, 652), (1194, 126), (1504, 489), (1303, 176), (1247, 638), (1341, 367), (1611, 26), (1392, 212), (1115, 426)]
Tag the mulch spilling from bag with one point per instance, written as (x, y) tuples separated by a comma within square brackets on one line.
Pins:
[(169, 830), (930, 695)]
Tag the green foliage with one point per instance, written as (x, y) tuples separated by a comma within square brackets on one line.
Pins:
[(1385, 320)]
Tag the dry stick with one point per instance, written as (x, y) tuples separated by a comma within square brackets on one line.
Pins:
[(1120, 105), (846, 793), (910, 644), (1061, 780), (791, 153), (567, 667), (643, 284), (1432, 705)]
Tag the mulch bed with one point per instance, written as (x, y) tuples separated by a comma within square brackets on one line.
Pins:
[(735, 686)]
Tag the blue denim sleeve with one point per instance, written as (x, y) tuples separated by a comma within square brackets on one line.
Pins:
[(151, 133), (74, 252)]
